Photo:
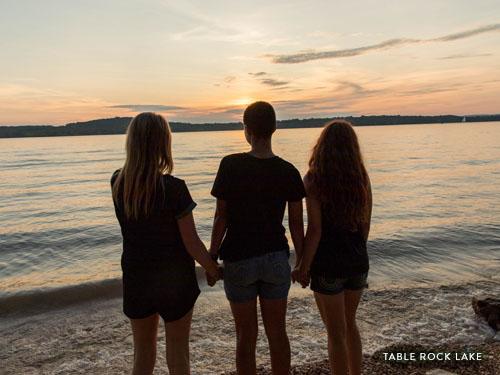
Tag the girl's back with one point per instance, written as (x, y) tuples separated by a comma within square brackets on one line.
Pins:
[(338, 180), (256, 191), (156, 236)]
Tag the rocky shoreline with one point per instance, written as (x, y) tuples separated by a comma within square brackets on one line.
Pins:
[(376, 364), (95, 337)]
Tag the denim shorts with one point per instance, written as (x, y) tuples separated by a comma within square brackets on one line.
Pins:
[(267, 276), (334, 285)]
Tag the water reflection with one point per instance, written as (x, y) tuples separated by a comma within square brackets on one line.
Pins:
[(436, 191)]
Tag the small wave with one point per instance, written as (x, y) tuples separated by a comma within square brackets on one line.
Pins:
[(47, 299), (35, 301)]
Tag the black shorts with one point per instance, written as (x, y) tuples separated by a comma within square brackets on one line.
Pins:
[(334, 285), (166, 290)]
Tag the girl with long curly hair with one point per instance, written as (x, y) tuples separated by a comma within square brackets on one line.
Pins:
[(335, 259)]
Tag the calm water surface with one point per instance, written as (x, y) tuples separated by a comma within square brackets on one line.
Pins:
[(436, 217)]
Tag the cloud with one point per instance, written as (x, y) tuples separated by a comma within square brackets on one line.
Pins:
[(232, 111), (464, 56), (302, 57), (216, 33), (258, 74), (354, 87), (273, 82), (432, 88), (148, 107), (295, 103), (468, 33), (207, 27), (263, 77), (229, 79), (22, 104), (312, 55)]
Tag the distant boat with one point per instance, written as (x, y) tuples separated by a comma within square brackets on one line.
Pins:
[(464, 119)]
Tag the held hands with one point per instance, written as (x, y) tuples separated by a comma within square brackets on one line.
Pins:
[(213, 277), (301, 275)]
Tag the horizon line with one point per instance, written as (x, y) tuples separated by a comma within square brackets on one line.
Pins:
[(279, 120)]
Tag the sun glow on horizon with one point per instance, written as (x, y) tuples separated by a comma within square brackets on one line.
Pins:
[(242, 101)]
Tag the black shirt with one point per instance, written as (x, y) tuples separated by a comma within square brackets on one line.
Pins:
[(341, 253), (256, 191), (157, 237)]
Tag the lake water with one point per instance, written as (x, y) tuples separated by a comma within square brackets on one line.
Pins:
[(436, 216)]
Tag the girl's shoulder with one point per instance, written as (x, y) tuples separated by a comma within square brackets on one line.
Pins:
[(172, 180), (174, 185), (311, 190), (308, 180), (114, 176)]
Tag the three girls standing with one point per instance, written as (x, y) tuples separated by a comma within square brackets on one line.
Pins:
[(252, 190)]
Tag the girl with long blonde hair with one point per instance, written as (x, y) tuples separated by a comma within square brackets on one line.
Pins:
[(335, 259), (160, 244)]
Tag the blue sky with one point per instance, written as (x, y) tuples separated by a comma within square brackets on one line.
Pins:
[(64, 61)]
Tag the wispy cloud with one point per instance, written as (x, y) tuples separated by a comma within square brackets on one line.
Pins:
[(354, 87), (265, 79), (464, 56), (220, 28), (26, 104), (148, 107), (302, 57), (468, 33), (216, 33), (229, 79), (273, 82), (312, 55), (258, 74)]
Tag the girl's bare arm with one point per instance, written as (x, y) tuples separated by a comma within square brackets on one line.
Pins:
[(195, 246), (219, 227), (313, 232), (366, 226), (296, 225)]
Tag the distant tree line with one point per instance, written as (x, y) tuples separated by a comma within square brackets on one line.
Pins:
[(118, 125)]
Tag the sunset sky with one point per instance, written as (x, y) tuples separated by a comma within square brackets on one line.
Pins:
[(203, 61)]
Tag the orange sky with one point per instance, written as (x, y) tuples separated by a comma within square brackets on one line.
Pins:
[(204, 61)]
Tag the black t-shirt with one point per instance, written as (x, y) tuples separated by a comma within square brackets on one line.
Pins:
[(157, 237), (256, 191)]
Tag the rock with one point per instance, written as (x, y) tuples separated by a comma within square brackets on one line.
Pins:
[(488, 308)]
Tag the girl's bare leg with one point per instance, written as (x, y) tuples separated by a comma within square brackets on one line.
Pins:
[(332, 312), (355, 352), (177, 342), (145, 332)]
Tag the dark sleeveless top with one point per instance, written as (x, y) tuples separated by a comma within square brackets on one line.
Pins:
[(341, 253)]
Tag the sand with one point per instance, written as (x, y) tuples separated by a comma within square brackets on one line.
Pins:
[(375, 365), (95, 338)]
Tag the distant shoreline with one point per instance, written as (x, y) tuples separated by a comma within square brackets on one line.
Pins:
[(118, 125)]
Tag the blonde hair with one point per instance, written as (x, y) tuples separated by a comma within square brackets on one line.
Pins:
[(149, 156)]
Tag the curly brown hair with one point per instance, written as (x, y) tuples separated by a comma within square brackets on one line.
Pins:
[(338, 177)]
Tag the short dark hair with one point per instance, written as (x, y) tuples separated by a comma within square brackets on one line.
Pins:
[(260, 119)]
